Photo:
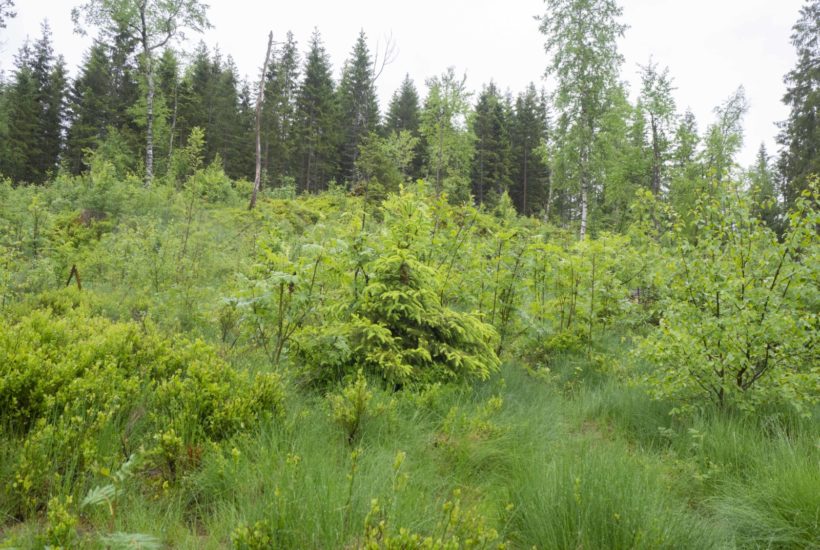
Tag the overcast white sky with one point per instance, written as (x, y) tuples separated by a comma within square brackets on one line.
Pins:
[(710, 46)]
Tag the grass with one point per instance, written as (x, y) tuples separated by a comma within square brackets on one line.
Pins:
[(577, 458), (598, 466)]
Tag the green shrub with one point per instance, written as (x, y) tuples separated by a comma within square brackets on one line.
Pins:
[(349, 407), (740, 323), (78, 391), (400, 332)]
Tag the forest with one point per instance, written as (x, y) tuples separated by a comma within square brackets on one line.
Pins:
[(274, 314)]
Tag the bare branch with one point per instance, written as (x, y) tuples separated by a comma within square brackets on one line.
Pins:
[(381, 60)]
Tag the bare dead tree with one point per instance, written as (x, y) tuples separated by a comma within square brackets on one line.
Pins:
[(259, 100), (383, 58)]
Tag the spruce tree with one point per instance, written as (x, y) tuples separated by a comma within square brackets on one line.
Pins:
[(404, 115), (195, 94), (229, 134), (359, 108), (153, 24), (49, 76), (36, 113), (799, 138), (21, 148), (90, 106), (317, 115), (763, 191), (168, 83), (529, 171), (279, 113), (492, 157), (403, 112), (209, 98)]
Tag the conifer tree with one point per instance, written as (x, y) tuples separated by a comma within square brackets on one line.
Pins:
[(20, 149), (153, 23), (529, 170), (230, 133), (359, 108), (279, 113), (403, 112), (168, 83), (90, 106), (404, 115), (317, 118), (35, 113), (799, 138), (763, 191), (196, 94), (210, 99), (50, 79), (492, 156)]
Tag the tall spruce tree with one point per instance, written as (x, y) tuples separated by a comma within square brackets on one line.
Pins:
[(279, 113), (492, 157), (317, 118), (153, 24), (799, 138), (403, 111), (90, 106), (529, 170), (195, 95), (230, 132), (359, 107), (210, 98), (35, 122), (22, 119), (404, 115), (50, 78), (762, 186), (168, 84), (581, 38)]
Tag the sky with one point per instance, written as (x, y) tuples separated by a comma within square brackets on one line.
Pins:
[(710, 46)]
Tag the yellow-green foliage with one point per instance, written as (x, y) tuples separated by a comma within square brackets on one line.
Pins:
[(349, 407), (740, 309), (399, 330), (79, 392)]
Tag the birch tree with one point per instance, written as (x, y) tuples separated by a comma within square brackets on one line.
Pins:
[(581, 38), (154, 24)]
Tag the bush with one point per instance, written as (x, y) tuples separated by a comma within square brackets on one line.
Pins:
[(76, 392), (399, 331), (739, 324)]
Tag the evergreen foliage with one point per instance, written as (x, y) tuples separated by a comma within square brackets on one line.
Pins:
[(317, 115), (359, 107), (799, 138)]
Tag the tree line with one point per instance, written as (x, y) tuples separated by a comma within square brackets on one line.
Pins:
[(574, 154)]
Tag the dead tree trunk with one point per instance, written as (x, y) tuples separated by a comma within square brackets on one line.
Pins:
[(259, 100)]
